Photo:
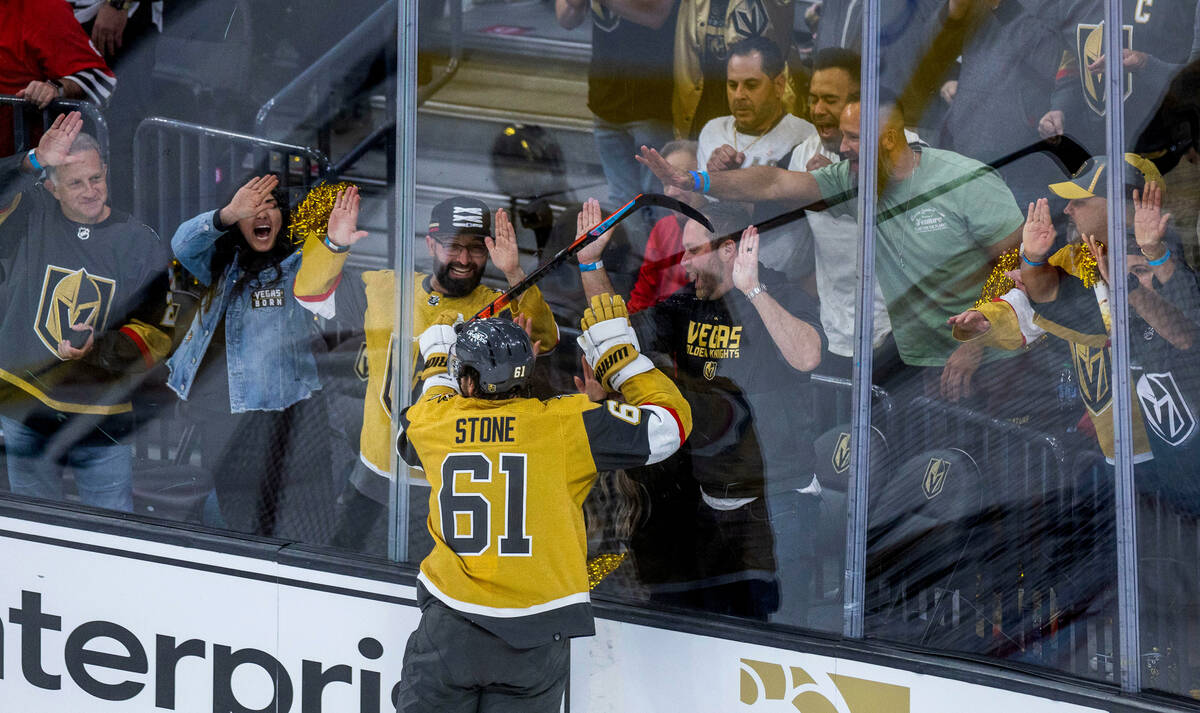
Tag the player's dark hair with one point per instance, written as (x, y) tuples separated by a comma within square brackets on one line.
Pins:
[(839, 58), (470, 373), (772, 58)]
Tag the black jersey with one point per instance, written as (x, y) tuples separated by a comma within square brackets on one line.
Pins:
[(630, 75), (753, 411), (109, 275)]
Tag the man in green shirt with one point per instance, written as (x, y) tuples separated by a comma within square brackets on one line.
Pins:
[(943, 220)]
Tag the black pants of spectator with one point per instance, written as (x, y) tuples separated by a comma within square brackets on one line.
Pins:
[(271, 470)]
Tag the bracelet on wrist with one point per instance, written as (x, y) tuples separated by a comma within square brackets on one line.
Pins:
[(1161, 260), (1027, 261), (32, 156), (334, 247), (755, 292), (591, 266)]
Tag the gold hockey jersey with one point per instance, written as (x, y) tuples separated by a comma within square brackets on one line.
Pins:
[(509, 478), (316, 287)]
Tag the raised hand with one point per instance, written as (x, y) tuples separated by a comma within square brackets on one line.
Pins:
[(668, 174), (249, 200), (588, 216), (1038, 235), (343, 219), (503, 248), (745, 265), (587, 384), (525, 322), (1149, 222), (1100, 253), (725, 158), (54, 149)]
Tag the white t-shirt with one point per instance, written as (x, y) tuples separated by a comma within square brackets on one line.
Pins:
[(835, 252), (768, 148)]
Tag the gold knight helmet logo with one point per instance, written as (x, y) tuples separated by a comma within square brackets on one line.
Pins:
[(72, 297), (710, 370), (935, 477), (1089, 47), (841, 453), (1095, 380), (771, 686)]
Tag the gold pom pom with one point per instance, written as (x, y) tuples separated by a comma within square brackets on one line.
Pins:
[(1088, 272), (601, 566), (999, 283), (311, 217)]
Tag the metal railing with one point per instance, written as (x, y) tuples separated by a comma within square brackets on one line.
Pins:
[(182, 169), (28, 122)]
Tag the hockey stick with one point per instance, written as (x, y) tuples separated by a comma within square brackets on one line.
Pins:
[(640, 201)]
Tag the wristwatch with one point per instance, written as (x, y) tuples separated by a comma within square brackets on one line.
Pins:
[(119, 4), (758, 290), (58, 86)]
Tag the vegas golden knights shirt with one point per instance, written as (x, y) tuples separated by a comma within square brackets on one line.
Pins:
[(55, 273), (509, 478), (319, 288)]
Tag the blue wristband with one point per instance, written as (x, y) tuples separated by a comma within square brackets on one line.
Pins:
[(334, 247), (591, 266), (695, 180), (1029, 262), (1162, 260), (33, 160), (707, 184)]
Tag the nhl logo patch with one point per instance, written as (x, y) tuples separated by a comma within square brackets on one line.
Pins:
[(434, 298), (710, 370), (83, 233)]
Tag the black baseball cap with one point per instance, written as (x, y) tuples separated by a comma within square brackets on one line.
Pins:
[(460, 215)]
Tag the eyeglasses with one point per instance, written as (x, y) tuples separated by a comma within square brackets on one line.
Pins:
[(475, 250)]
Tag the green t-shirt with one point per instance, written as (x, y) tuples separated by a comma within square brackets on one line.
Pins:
[(931, 257)]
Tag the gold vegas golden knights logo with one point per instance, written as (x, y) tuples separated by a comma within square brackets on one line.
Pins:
[(710, 370), (361, 369), (1095, 376), (841, 453), (1089, 47), (935, 477), (763, 682), (71, 297)]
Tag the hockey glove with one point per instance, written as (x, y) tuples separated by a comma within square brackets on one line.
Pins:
[(435, 343), (609, 343)]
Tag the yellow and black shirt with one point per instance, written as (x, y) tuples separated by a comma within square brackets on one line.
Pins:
[(319, 288), (509, 478)]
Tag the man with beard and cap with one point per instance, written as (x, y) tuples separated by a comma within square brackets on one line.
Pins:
[(461, 238)]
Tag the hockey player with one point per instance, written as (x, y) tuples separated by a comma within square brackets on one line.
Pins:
[(462, 237), (505, 587)]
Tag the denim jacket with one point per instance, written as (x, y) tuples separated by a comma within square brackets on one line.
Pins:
[(267, 333)]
